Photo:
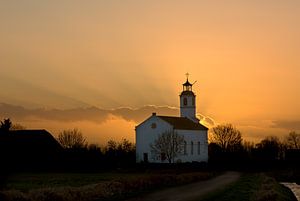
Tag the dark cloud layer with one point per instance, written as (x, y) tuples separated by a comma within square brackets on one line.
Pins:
[(285, 124), (93, 114)]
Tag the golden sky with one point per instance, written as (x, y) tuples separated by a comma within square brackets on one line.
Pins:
[(111, 54)]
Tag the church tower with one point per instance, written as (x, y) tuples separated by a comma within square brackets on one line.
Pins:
[(188, 101)]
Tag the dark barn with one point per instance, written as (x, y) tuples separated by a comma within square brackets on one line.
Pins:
[(32, 149)]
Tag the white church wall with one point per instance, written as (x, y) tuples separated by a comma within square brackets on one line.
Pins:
[(146, 134), (194, 136)]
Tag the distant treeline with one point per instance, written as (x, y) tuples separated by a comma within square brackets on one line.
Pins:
[(227, 149), (22, 150)]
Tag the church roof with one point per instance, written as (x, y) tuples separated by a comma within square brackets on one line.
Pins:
[(187, 83), (183, 123)]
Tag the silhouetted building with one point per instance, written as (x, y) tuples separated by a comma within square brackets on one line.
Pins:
[(195, 147), (28, 147)]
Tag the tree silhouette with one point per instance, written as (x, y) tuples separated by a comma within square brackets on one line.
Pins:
[(269, 148), (293, 140), (227, 137), (168, 144), (17, 126), (71, 139), (6, 124), (119, 153)]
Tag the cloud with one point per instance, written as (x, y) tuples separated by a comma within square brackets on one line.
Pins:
[(209, 121), (287, 124), (140, 114), (93, 114)]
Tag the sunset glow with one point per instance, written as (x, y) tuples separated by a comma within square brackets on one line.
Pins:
[(111, 64)]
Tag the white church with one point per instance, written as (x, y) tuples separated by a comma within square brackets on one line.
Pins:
[(195, 147)]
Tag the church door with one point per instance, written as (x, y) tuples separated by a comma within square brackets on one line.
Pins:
[(146, 157)]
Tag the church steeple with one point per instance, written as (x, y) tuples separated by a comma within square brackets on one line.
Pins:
[(187, 101), (187, 86)]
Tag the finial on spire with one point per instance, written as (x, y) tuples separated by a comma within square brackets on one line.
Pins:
[(187, 76)]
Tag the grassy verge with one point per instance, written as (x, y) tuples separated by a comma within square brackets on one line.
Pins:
[(252, 187), (108, 186)]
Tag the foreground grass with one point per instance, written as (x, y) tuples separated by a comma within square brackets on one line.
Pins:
[(87, 187), (253, 187), (28, 181)]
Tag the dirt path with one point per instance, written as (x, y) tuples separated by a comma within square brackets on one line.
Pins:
[(190, 191)]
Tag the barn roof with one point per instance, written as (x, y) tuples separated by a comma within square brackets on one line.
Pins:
[(30, 139), (183, 123)]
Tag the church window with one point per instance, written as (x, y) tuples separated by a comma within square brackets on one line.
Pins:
[(153, 125), (193, 101), (184, 148), (192, 148), (185, 101), (198, 148)]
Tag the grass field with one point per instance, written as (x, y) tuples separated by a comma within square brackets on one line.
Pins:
[(252, 187), (29, 181), (96, 186)]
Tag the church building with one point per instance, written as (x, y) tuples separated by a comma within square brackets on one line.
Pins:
[(195, 144)]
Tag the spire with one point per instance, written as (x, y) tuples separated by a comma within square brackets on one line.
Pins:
[(187, 86)]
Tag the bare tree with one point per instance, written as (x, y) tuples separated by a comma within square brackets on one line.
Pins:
[(227, 137), (126, 146), (17, 126), (168, 143), (6, 124), (293, 140), (72, 138)]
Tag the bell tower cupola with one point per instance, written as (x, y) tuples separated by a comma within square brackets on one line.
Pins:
[(188, 101)]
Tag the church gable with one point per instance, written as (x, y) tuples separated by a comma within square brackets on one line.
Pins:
[(154, 124)]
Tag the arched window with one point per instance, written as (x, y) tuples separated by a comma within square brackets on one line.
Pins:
[(193, 101), (198, 148), (192, 148), (184, 148), (185, 101)]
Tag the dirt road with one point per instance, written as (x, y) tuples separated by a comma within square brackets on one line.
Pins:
[(190, 191)]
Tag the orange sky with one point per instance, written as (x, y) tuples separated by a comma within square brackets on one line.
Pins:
[(110, 54)]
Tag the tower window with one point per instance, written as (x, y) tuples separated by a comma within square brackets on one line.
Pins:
[(185, 101), (192, 148), (198, 148), (193, 101)]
